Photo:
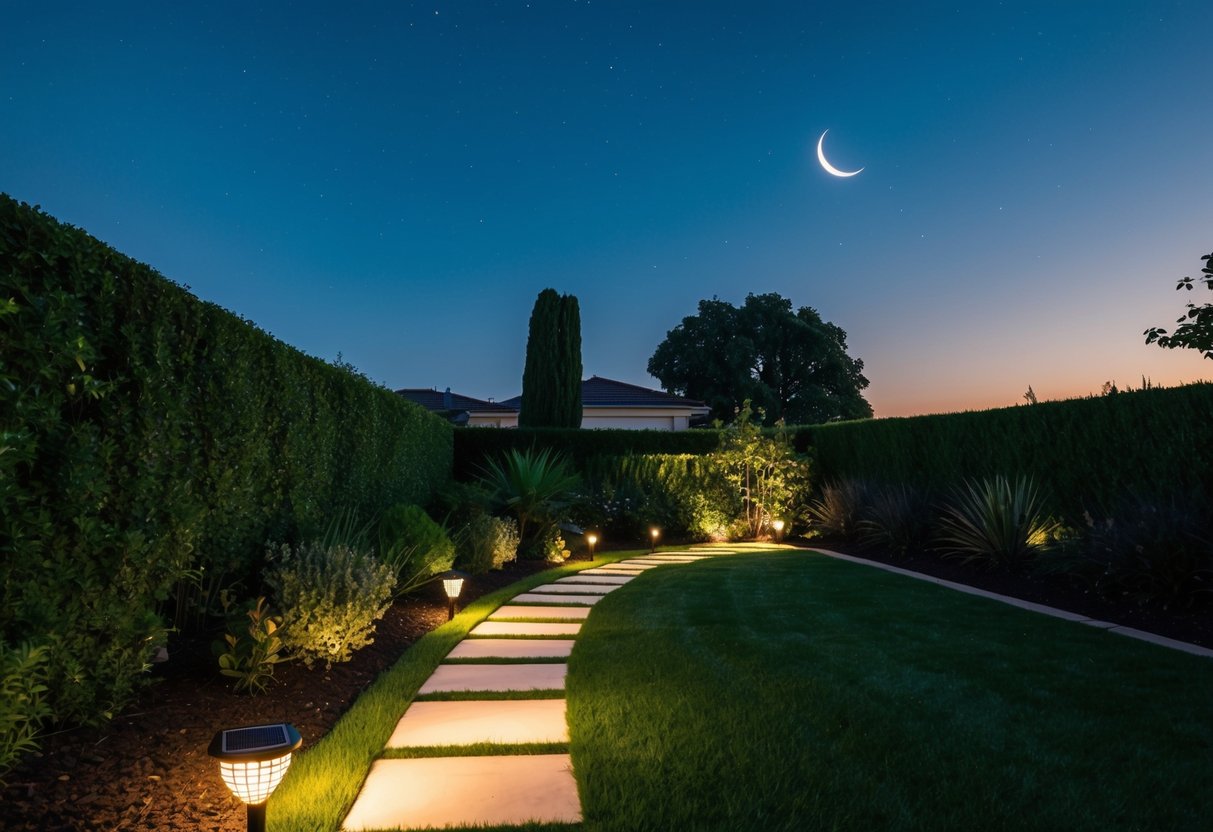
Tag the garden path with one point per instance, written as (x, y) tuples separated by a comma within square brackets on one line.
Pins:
[(485, 739)]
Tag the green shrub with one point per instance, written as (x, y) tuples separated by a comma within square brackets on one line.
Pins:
[(839, 509), (330, 598), (996, 522), (250, 653), (414, 546), (485, 543), (768, 476), (23, 707)]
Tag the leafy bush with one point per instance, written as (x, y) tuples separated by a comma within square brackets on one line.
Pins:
[(330, 598), (1149, 553), (897, 520), (766, 473), (535, 488), (996, 522), (485, 543), (23, 708), (413, 546), (147, 438), (250, 654), (839, 509)]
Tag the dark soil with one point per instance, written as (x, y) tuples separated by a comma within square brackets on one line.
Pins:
[(149, 770)]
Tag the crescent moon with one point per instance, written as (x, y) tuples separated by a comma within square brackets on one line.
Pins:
[(821, 157)]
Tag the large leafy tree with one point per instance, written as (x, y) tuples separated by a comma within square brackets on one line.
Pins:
[(1195, 330), (790, 363), (551, 378)]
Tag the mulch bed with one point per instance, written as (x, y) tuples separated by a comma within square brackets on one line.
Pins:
[(149, 770)]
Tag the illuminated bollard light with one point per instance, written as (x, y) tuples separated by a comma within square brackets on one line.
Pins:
[(654, 533), (452, 585), (252, 761), (591, 539)]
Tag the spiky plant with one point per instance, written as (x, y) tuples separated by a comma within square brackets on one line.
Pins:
[(534, 486), (896, 520), (996, 521), (838, 510)]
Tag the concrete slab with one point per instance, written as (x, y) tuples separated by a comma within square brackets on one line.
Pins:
[(674, 558), (636, 564), (465, 723), (455, 791), (617, 571), (549, 598), (513, 648), (576, 589), (495, 677), (612, 580), (524, 628), (520, 611)]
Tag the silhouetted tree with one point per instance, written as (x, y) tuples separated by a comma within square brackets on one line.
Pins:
[(1195, 330), (792, 365), (551, 378)]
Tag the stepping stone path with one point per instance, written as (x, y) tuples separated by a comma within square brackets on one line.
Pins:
[(496, 786)]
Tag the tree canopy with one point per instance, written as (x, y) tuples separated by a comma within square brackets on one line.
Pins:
[(1195, 330), (551, 378), (791, 364)]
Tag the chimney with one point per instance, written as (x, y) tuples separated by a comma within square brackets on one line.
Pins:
[(446, 400)]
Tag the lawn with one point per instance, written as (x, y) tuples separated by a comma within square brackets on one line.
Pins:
[(792, 691)]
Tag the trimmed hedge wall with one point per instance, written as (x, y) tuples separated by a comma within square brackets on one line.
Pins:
[(1089, 453), (144, 434), (474, 445)]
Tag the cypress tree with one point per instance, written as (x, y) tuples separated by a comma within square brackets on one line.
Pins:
[(551, 377), (571, 360)]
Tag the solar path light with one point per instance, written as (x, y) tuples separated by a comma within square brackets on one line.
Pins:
[(777, 526), (654, 533), (252, 761), (452, 584), (591, 539)]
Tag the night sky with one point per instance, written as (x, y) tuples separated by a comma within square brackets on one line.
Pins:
[(396, 182)]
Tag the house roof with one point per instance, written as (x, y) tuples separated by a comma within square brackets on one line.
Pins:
[(597, 391), (440, 401)]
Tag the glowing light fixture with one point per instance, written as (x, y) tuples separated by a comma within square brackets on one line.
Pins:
[(252, 761), (452, 585), (654, 533), (777, 525), (591, 539)]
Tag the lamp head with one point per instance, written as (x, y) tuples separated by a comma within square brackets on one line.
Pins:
[(452, 582), (777, 526), (254, 759), (591, 539)]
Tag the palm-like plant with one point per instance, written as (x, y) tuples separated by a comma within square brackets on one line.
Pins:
[(534, 486), (997, 521)]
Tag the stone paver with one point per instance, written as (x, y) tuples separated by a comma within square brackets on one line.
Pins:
[(576, 589), (637, 564), (524, 628), (549, 598), (450, 791), (676, 558), (615, 570), (495, 677), (513, 648), (613, 580), (505, 721), (520, 611)]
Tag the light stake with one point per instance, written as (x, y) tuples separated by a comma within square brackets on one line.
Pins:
[(654, 533), (778, 527), (591, 539), (252, 761)]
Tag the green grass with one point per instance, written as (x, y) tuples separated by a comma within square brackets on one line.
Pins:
[(789, 691), (325, 778)]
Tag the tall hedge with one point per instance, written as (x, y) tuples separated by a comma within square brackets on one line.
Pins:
[(1089, 453), (551, 377), (473, 446), (143, 434)]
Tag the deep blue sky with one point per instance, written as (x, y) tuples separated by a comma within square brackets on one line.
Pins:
[(396, 182)]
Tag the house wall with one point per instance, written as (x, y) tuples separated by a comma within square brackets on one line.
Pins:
[(492, 420), (636, 418)]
